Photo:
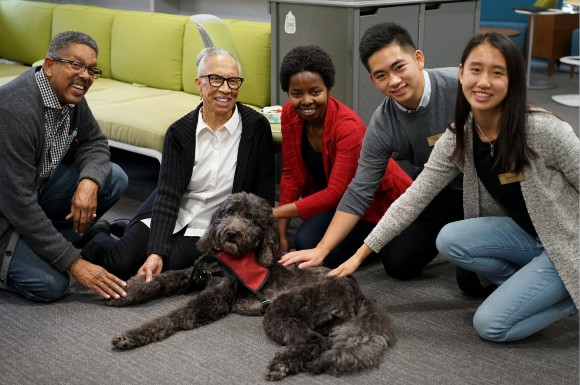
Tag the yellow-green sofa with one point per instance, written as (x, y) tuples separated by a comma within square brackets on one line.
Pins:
[(148, 63)]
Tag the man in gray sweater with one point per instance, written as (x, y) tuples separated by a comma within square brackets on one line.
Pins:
[(56, 175), (418, 107)]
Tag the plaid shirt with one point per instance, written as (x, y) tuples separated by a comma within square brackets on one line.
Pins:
[(56, 126)]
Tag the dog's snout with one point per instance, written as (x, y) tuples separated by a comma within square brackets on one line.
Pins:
[(231, 235)]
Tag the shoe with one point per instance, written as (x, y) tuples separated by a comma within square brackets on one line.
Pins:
[(118, 226), (471, 285), (102, 225)]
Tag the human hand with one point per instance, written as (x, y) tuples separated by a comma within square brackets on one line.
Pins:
[(351, 264), (305, 258), (152, 265), (97, 279), (83, 208), (346, 268)]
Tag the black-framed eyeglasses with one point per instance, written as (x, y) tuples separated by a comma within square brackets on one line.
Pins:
[(80, 68), (216, 81)]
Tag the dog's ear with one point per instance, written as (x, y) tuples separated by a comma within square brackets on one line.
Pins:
[(208, 239)]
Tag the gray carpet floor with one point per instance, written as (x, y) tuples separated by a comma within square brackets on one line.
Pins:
[(68, 342)]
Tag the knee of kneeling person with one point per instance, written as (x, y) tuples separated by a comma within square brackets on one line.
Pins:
[(119, 180), (303, 240), (487, 325), (448, 242), (400, 271), (51, 289)]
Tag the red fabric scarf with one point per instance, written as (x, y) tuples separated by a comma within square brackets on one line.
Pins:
[(246, 268)]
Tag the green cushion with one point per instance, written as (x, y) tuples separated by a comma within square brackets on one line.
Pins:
[(26, 41), (95, 22), (252, 39), (146, 48), (10, 70), (137, 115), (252, 42)]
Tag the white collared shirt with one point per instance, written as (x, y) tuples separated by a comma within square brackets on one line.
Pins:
[(212, 180), (424, 99)]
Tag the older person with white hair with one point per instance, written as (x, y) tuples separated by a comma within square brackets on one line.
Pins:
[(221, 147)]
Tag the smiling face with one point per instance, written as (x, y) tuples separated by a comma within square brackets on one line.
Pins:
[(484, 81), (68, 86), (398, 74), (308, 96), (218, 102)]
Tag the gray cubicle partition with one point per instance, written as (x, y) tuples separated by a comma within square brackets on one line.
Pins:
[(439, 28)]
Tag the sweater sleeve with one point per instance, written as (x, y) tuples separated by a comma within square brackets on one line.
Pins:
[(289, 184), (90, 149), (374, 157), (174, 174), (437, 174), (21, 135)]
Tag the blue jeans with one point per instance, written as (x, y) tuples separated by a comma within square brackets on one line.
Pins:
[(29, 274), (530, 293)]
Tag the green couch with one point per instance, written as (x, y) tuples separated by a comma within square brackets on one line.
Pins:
[(148, 63)]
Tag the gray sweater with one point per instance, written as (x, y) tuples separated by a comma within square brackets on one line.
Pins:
[(22, 134), (402, 136), (550, 191)]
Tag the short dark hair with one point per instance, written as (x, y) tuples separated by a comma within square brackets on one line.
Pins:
[(60, 44), (380, 36), (306, 58)]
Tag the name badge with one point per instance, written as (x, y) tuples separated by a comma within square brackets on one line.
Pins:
[(433, 139), (511, 177)]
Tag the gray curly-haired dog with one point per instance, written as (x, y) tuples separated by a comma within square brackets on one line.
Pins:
[(325, 324)]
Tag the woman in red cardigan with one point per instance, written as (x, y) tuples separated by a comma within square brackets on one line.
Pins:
[(321, 143)]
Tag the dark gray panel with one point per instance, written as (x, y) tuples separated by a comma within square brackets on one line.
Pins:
[(327, 27), (448, 28), (367, 97)]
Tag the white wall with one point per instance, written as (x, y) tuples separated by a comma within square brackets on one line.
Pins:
[(255, 10)]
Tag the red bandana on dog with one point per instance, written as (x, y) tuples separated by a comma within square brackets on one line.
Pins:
[(246, 268)]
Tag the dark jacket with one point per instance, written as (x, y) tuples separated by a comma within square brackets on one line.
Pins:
[(22, 138)]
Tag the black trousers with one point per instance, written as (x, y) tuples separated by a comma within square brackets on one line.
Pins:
[(123, 257), (406, 255)]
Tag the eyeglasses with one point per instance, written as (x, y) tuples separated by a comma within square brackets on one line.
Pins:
[(80, 68), (216, 81)]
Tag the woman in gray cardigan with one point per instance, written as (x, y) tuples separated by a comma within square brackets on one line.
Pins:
[(521, 201)]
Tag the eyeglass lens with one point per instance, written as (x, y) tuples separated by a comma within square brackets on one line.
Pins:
[(216, 81)]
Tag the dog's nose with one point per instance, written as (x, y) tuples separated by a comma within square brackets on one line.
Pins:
[(231, 235)]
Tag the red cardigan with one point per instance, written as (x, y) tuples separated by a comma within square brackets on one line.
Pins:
[(341, 143)]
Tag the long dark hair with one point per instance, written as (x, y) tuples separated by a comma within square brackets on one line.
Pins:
[(514, 152)]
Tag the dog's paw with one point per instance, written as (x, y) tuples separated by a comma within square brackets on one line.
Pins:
[(124, 341), (122, 301), (276, 371)]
